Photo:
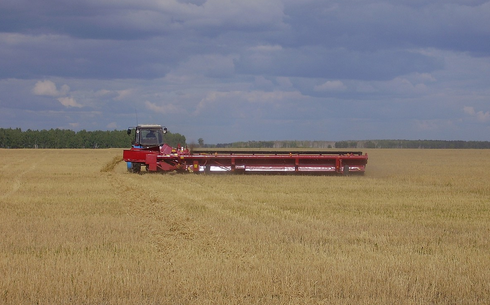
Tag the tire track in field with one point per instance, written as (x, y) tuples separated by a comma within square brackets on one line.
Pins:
[(152, 204), (244, 211), (227, 218), (163, 222), (268, 210)]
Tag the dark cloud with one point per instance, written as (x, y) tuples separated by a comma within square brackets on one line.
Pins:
[(375, 40), (52, 55), (244, 70), (338, 63), (374, 25)]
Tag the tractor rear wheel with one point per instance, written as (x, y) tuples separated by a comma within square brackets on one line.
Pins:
[(134, 167)]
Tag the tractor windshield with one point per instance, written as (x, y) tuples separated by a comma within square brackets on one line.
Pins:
[(151, 136)]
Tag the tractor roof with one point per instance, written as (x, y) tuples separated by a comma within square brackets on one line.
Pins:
[(150, 126)]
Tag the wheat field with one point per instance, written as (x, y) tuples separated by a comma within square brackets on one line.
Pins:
[(76, 228)]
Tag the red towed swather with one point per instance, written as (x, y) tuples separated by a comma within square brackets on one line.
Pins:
[(149, 150)]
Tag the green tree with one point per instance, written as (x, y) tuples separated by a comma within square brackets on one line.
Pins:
[(175, 139)]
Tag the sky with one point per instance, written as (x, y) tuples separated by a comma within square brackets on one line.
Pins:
[(255, 70)]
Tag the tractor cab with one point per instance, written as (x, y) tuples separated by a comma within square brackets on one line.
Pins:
[(147, 136)]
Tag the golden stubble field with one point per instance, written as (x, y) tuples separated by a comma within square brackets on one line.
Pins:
[(75, 229)]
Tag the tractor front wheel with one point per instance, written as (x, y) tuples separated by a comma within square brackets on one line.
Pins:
[(134, 167)]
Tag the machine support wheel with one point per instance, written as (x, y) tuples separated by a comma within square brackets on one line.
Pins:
[(345, 170)]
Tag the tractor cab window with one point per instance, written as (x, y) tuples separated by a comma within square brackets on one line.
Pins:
[(151, 137)]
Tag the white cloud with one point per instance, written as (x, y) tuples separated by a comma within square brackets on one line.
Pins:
[(262, 82), (103, 92), (69, 102), (266, 48), (483, 116), (217, 101), (64, 89), (401, 86), (480, 116), (271, 97), (48, 88), (112, 125), (469, 110), (335, 85), (284, 82), (122, 94), (163, 109), (425, 77)]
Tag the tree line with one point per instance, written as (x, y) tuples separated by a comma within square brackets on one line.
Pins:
[(65, 138), (421, 144)]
